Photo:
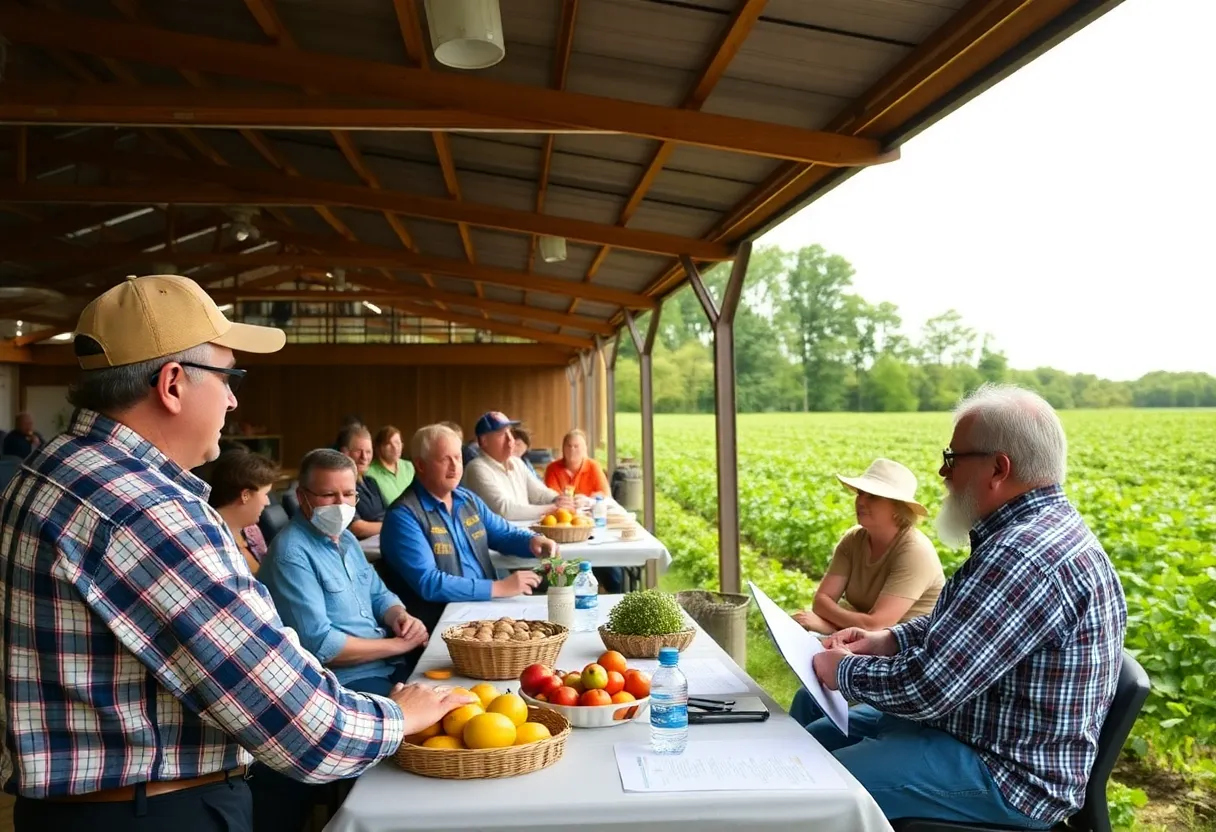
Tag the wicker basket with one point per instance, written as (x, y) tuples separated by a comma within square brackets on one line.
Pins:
[(645, 647), (499, 660), (472, 764), (564, 534)]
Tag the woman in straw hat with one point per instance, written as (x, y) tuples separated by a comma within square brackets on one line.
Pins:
[(885, 568)]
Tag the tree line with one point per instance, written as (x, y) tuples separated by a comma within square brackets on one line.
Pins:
[(805, 342)]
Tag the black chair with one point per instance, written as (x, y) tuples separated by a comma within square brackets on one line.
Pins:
[(273, 520), (1130, 692), (290, 504), (9, 465)]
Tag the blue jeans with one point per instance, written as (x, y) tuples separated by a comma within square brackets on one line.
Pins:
[(912, 770)]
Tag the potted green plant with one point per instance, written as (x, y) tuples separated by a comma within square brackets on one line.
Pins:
[(645, 621), (560, 595)]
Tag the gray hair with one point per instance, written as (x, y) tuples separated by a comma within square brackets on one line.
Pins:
[(324, 459), (348, 435), (1021, 424), (117, 389), (425, 438)]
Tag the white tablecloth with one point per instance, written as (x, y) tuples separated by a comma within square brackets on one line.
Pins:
[(604, 548), (583, 790)]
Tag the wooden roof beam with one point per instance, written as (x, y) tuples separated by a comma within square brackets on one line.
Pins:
[(351, 76), (275, 188), (358, 256), (492, 325)]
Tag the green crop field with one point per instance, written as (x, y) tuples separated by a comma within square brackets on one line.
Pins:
[(1145, 481)]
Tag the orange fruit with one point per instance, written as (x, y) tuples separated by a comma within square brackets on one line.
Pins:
[(563, 517), (489, 731), (443, 742), (486, 692), (438, 673), (531, 732), (549, 520), (425, 734), (623, 696), (595, 697), (637, 683), (612, 660), (454, 722), (510, 706), (616, 683)]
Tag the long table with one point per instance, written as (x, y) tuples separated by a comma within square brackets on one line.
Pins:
[(583, 790), (603, 548)]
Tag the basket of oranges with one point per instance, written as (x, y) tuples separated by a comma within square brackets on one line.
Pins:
[(563, 526), (498, 736)]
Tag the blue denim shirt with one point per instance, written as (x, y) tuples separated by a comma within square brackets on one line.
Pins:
[(327, 591), (404, 546)]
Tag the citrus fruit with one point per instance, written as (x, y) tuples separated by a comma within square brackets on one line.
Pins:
[(637, 683), (425, 734), (563, 517), (612, 660), (510, 706), (531, 732), (549, 520), (489, 731), (454, 722), (486, 692), (443, 742), (595, 697), (623, 696), (438, 673)]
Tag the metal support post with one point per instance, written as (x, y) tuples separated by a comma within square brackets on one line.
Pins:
[(645, 350), (609, 350), (587, 360), (572, 377)]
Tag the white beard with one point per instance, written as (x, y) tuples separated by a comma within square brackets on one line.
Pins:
[(959, 513)]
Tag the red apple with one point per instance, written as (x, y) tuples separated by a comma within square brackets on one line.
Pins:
[(531, 679), (564, 696), (548, 685), (594, 677)]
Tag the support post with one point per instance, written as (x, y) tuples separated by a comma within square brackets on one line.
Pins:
[(609, 350), (22, 150), (645, 350), (722, 321), (587, 360), (572, 377)]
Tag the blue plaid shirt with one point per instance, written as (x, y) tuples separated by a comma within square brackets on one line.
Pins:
[(138, 647), (1019, 658)]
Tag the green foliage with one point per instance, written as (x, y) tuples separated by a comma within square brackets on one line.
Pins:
[(1142, 479), (650, 612), (1123, 803), (803, 342)]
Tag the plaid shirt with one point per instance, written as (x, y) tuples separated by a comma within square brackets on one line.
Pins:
[(1019, 658), (138, 647)]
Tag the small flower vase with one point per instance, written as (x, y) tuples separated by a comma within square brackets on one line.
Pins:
[(561, 605)]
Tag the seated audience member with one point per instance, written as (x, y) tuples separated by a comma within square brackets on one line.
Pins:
[(576, 472), (999, 694), (348, 422), (240, 489), (324, 588), (498, 477), (521, 446), (22, 440), (468, 450), (886, 568), (388, 470), (437, 537), (369, 510)]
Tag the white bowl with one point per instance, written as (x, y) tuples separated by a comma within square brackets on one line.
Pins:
[(596, 716)]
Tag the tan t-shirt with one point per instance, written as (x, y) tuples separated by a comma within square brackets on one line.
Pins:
[(909, 569)]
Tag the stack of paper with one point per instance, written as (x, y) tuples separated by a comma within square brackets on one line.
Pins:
[(798, 763)]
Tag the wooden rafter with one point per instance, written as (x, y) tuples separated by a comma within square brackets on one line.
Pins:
[(354, 255), (16, 242), (972, 39), (737, 29), (561, 69), (438, 89), (493, 325), (257, 187)]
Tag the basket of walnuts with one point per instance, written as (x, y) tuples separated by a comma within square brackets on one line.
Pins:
[(501, 649)]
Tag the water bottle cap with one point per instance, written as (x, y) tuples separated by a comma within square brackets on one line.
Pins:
[(584, 566), (599, 498), (669, 656)]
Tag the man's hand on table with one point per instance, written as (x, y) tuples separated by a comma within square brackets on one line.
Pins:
[(825, 664), (542, 547), (517, 583), (565, 502), (410, 629), (423, 706), (864, 642)]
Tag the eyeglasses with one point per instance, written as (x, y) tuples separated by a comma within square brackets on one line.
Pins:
[(234, 376), (949, 456)]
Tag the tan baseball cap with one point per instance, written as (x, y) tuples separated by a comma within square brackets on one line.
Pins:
[(150, 317)]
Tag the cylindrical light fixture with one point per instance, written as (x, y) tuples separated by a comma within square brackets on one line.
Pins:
[(466, 34), (553, 249)]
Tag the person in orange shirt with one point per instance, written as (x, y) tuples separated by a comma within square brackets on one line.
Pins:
[(576, 469)]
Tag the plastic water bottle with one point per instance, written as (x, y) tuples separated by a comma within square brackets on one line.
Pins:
[(599, 513), (586, 600), (668, 705)]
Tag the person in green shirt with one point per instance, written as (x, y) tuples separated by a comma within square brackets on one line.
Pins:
[(388, 470)]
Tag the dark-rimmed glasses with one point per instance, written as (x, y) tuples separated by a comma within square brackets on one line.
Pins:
[(234, 376), (949, 456)]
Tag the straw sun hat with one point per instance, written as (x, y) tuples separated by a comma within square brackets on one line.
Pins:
[(886, 478)]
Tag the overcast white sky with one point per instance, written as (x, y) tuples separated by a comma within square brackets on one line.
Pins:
[(1064, 211)]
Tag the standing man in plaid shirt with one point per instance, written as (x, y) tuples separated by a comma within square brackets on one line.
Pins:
[(143, 665), (990, 707)]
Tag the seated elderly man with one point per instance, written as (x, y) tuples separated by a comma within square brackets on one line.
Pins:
[(438, 536), (497, 476), (22, 440), (356, 444), (324, 588), (999, 693)]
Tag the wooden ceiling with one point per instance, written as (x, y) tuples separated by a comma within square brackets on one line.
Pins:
[(638, 130)]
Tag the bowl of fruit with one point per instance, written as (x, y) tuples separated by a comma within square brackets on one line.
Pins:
[(604, 693), (564, 526), (500, 735)]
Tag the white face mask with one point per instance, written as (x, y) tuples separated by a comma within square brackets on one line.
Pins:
[(332, 520)]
